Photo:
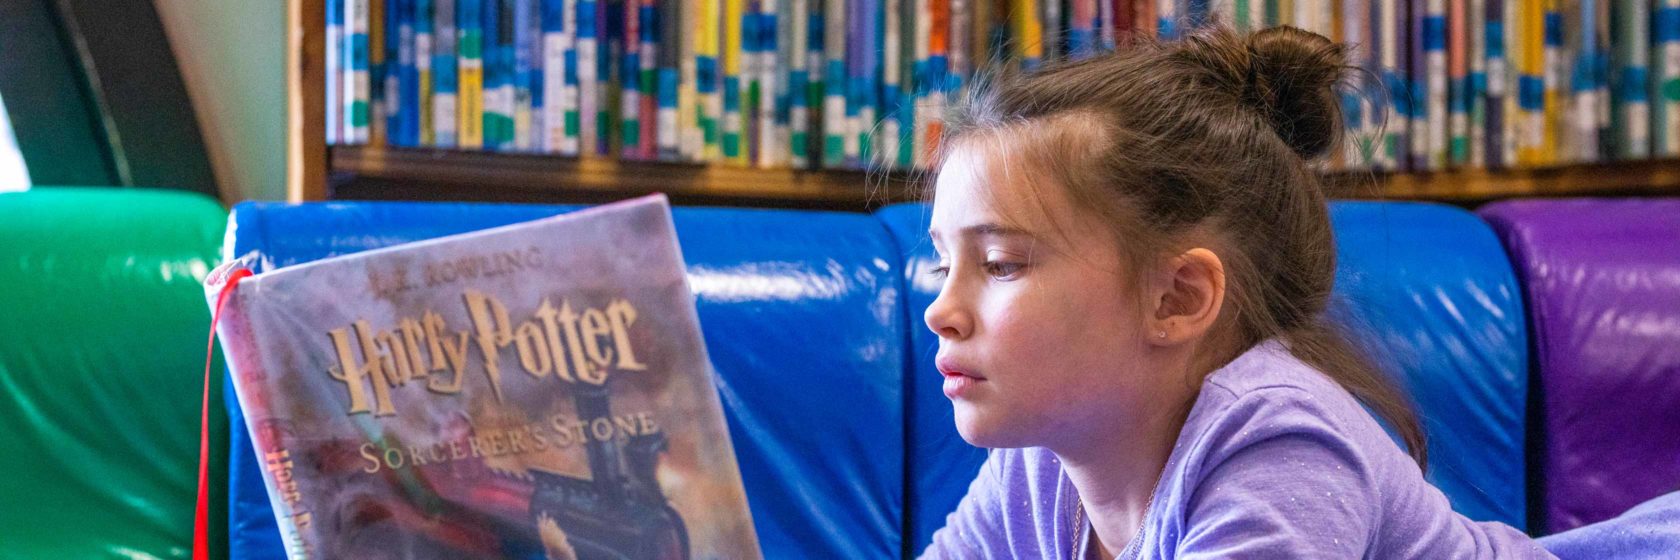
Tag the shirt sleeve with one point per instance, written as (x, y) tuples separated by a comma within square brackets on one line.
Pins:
[(976, 523), (1279, 480)]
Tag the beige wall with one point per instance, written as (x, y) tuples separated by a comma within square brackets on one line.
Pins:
[(232, 57)]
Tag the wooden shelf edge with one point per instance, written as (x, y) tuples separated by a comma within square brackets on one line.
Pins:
[(593, 178), (1644, 177), (490, 175)]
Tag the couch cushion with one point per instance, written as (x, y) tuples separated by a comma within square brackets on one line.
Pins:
[(1602, 280), (102, 331), (802, 318), (1440, 307)]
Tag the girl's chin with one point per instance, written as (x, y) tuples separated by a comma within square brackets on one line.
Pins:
[(987, 429)]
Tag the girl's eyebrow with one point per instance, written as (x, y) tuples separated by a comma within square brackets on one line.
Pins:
[(986, 230)]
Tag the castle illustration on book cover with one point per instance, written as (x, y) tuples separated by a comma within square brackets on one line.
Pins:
[(538, 390)]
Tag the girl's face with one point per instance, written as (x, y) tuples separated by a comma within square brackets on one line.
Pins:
[(1041, 336)]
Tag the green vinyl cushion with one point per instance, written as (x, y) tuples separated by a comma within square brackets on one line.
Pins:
[(102, 338)]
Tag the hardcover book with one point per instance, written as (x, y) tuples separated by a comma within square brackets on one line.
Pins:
[(538, 390)]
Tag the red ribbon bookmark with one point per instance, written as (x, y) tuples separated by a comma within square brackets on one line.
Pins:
[(201, 517)]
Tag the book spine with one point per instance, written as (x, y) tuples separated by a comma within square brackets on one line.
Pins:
[(1458, 84), (337, 70), (834, 81), (1555, 64), (588, 82), (1394, 149), (553, 64), (1355, 108), (522, 133), (1028, 33), (630, 83), (1476, 27), (1665, 89), (800, 54), (1633, 109), (709, 73), (1435, 76), (669, 84), (770, 146), (470, 28), (647, 76), (894, 41), (445, 75), (424, 75), (357, 94), (380, 90), (399, 80), (271, 434)]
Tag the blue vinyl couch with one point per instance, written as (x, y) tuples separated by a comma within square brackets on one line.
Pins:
[(845, 442), (813, 321)]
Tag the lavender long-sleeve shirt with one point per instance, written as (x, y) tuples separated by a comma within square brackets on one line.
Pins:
[(1274, 461)]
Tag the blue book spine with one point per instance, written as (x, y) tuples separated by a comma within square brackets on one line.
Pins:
[(445, 79)]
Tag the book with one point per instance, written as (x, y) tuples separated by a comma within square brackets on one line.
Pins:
[(534, 390)]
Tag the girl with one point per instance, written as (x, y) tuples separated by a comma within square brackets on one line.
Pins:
[(1137, 257)]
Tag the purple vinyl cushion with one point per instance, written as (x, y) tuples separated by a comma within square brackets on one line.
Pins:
[(1602, 281)]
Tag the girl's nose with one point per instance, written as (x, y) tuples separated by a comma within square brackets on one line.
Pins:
[(947, 316)]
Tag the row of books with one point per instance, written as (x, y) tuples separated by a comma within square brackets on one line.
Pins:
[(863, 83)]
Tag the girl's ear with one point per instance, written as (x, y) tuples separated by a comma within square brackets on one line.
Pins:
[(1190, 296)]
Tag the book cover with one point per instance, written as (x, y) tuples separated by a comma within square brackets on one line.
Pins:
[(538, 390)]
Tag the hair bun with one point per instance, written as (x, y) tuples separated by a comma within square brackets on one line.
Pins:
[(1292, 76)]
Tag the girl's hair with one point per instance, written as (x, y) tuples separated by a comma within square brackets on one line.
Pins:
[(1210, 137)]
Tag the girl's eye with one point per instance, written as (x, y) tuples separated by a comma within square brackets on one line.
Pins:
[(940, 272), (1003, 270)]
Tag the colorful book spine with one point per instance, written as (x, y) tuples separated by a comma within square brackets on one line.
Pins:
[(834, 78), (1665, 88), (1580, 137), (709, 75), (1476, 29), (889, 132), (942, 50), (500, 100), (1602, 55), (1435, 79), (1107, 27), (1028, 33), (358, 89), (1531, 85), (445, 75), (647, 75), (1355, 109), (668, 77), (588, 82), (608, 49), (554, 46), (469, 24), (1632, 118), (424, 36), (524, 82), (729, 55), (630, 83), (800, 56), (1395, 150), (337, 70), (1555, 65), (1458, 84), (382, 32)]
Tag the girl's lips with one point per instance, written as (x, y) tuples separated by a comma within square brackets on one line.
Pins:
[(957, 386), (949, 368)]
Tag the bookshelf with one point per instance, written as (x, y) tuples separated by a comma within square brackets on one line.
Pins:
[(316, 171)]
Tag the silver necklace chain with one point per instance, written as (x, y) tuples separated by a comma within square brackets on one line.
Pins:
[(1132, 549)]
